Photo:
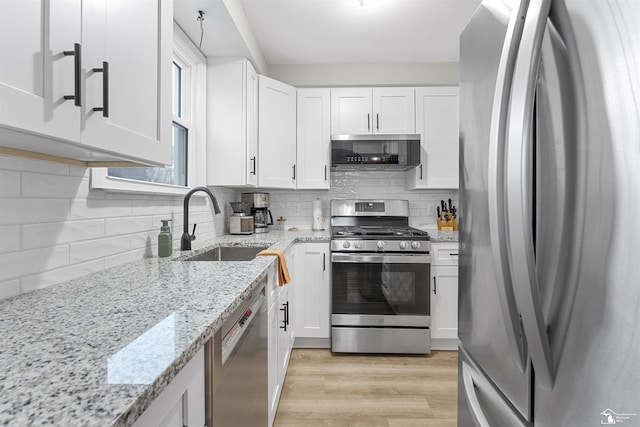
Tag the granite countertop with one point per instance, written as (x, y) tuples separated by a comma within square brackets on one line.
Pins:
[(99, 349), (442, 236)]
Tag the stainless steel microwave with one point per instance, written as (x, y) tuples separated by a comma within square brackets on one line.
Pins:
[(375, 152)]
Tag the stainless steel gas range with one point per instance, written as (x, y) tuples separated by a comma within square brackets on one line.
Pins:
[(380, 279)]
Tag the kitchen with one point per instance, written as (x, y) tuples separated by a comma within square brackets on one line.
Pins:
[(65, 227)]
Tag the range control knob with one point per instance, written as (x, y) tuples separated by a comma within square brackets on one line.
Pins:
[(357, 245), (380, 244), (403, 245), (346, 245), (415, 245)]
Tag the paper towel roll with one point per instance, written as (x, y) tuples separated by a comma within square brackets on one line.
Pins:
[(318, 219)]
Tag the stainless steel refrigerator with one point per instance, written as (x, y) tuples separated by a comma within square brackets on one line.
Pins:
[(549, 286)]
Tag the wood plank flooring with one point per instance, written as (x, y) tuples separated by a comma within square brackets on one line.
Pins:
[(325, 389)]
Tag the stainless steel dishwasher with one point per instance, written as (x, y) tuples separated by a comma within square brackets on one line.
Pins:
[(236, 367)]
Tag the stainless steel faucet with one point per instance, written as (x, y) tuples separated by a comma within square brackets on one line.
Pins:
[(185, 241)]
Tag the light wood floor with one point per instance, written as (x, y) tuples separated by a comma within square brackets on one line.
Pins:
[(325, 389)]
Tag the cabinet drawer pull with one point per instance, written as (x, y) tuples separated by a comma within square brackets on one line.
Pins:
[(377, 122), (421, 172), (324, 262), (435, 289), (453, 253), (253, 163), (325, 172), (294, 172), (105, 89), (368, 121), (77, 71)]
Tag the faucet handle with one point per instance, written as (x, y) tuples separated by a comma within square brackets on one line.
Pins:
[(193, 233)]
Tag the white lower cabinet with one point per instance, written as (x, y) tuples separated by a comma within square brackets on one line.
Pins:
[(444, 296), (182, 403), (312, 291), (281, 332)]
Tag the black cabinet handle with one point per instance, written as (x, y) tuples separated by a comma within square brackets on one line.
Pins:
[(285, 321), (377, 121), (324, 262), (325, 172), (368, 121), (253, 162), (77, 70), (294, 172), (453, 254), (420, 172), (435, 290), (105, 89)]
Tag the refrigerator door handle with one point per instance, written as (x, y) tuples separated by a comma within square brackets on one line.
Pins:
[(476, 384), (519, 194), (479, 418), (496, 188)]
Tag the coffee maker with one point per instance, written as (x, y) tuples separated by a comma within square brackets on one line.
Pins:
[(262, 218), (240, 222)]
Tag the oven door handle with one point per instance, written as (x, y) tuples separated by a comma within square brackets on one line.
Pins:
[(380, 258)]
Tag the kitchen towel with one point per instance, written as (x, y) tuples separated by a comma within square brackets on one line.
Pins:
[(283, 270)]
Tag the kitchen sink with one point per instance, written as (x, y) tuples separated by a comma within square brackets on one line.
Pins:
[(228, 253)]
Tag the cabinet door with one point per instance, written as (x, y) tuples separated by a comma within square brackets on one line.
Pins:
[(182, 402), (444, 302), (437, 124), (314, 139), (312, 306), (251, 126), (351, 111), (284, 347), (393, 110), (276, 134), (35, 75), (135, 38), (232, 140)]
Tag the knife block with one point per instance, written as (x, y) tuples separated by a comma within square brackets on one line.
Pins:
[(451, 225)]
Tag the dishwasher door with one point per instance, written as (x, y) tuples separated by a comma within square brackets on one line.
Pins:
[(236, 362)]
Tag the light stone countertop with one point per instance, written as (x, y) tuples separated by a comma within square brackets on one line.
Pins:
[(442, 236), (97, 350)]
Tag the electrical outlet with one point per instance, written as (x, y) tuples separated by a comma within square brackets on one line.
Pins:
[(296, 209)]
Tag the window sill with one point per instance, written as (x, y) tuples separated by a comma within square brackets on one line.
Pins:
[(101, 181)]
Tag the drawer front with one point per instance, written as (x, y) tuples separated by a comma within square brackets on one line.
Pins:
[(444, 253)]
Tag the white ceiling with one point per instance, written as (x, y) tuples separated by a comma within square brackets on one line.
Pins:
[(333, 31)]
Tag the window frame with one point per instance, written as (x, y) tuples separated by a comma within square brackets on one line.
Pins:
[(193, 118)]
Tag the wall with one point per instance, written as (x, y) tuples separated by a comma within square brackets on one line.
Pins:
[(297, 206), (416, 74), (53, 228)]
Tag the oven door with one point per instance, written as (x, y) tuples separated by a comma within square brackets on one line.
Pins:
[(380, 289)]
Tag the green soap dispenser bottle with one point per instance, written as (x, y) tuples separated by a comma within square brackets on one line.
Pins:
[(165, 241)]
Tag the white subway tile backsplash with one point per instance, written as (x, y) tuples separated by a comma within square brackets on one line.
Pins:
[(10, 238), (51, 277), (125, 257), (54, 186), (32, 165), (50, 234), (9, 288), (128, 225), (54, 228), (98, 208), (99, 248), (23, 263), (9, 183), (29, 211)]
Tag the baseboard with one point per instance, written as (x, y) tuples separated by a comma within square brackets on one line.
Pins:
[(301, 342)]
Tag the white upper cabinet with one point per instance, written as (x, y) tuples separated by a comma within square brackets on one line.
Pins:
[(35, 74), (87, 80), (276, 134), (314, 139), (437, 124), (232, 124), (359, 111)]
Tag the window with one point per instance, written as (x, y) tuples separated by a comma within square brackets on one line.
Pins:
[(189, 74)]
